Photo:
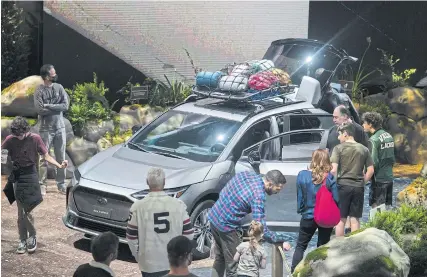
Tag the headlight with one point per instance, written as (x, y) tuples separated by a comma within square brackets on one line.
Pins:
[(175, 192)]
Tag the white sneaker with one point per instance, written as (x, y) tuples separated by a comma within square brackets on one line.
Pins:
[(43, 189)]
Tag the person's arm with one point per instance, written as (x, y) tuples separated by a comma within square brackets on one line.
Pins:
[(6, 143), (39, 104), (42, 150), (64, 103), (263, 264), (239, 250), (335, 158), (132, 233), (374, 154), (300, 195), (187, 227), (258, 214), (332, 184), (369, 165)]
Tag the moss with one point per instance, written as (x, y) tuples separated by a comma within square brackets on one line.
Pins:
[(30, 91), (305, 271), (355, 232), (30, 121), (320, 253), (377, 263), (407, 170), (6, 90)]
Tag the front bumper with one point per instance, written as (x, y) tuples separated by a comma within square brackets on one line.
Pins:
[(91, 227)]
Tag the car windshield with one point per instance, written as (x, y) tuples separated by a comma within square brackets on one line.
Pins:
[(186, 135)]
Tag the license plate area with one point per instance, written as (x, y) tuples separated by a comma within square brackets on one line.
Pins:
[(102, 212)]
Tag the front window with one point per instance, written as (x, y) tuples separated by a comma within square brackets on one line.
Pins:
[(186, 135)]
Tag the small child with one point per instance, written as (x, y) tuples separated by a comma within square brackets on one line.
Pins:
[(250, 255)]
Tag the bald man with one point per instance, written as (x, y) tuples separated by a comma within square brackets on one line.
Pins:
[(342, 115)]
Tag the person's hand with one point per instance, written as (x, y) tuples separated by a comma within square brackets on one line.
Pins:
[(286, 246), (64, 164)]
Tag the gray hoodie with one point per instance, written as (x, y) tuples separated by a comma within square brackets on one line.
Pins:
[(50, 103)]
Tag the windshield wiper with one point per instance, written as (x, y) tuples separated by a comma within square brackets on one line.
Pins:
[(137, 146), (169, 155)]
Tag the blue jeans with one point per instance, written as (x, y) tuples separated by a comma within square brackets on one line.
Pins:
[(55, 138)]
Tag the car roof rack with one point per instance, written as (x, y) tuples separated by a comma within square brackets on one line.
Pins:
[(251, 101), (248, 96)]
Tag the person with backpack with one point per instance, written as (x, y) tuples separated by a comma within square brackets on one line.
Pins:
[(318, 197), (251, 255)]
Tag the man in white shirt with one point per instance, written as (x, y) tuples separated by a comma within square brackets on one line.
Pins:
[(153, 222)]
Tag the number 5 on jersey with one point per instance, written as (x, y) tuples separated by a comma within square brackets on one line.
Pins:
[(160, 219)]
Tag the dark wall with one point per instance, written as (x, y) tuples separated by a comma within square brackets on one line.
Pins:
[(402, 28), (76, 58), (33, 28)]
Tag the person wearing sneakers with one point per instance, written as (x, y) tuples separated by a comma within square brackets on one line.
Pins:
[(51, 100), (23, 187), (381, 191), (349, 159)]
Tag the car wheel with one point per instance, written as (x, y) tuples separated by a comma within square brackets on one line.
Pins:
[(202, 232)]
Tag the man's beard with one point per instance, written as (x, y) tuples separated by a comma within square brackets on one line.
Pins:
[(269, 190)]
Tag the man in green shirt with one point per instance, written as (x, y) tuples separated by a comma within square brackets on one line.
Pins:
[(349, 159), (382, 152)]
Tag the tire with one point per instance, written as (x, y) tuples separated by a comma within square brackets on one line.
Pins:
[(195, 218)]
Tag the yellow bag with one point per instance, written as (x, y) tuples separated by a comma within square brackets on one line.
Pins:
[(284, 78)]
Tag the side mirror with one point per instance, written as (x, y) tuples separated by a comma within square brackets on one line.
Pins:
[(254, 158), (136, 128)]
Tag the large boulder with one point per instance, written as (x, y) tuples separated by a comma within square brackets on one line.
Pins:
[(7, 121), (142, 115), (423, 172), (69, 133), (382, 257), (415, 193), (18, 98), (93, 131), (407, 123), (80, 150)]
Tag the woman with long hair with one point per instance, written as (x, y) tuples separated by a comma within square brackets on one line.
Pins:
[(251, 255), (23, 186), (308, 184)]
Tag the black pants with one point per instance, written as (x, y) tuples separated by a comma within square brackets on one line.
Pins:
[(306, 231), (224, 260), (155, 274)]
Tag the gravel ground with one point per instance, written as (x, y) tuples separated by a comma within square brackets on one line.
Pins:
[(61, 250)]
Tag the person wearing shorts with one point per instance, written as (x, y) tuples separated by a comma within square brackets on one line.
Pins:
[(382, 145), (349, 159)]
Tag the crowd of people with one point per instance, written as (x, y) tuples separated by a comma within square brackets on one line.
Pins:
[(160, 232)]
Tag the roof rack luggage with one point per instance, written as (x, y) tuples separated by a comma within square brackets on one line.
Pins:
[(248, 96)]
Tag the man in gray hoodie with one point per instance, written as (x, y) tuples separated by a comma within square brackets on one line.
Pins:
[(51, 100)]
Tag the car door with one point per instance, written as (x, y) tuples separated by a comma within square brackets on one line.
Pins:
[(296, 151)]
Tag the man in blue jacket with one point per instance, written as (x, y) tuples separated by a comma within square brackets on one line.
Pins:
[(51, 101)]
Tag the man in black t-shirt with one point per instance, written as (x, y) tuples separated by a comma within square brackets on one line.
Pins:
[(342, 115), (104, 250)]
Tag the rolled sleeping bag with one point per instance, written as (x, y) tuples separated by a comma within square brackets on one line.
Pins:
[(205, 79), (262, 65), (244, 69), (233, 84)]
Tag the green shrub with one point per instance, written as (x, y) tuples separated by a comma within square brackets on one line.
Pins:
[(88, 103), (30, 121), (118, 138), (375, 106), (406, 220), (168, 94)]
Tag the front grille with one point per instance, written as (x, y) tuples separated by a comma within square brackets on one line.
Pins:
[(99, 227), (102, 204), (103, 194)]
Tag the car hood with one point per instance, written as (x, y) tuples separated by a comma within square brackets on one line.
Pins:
[(124, 167)]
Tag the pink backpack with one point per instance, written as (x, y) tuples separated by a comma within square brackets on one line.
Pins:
[(326, 212)]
